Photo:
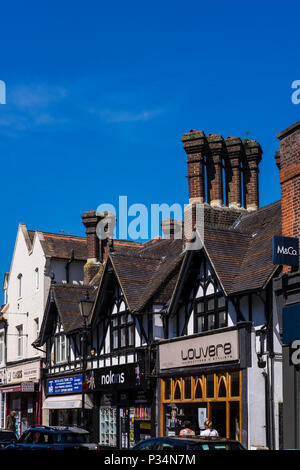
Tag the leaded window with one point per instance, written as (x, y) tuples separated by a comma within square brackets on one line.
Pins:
[(122, 325)]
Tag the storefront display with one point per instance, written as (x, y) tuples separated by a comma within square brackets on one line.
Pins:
[(125, 415)]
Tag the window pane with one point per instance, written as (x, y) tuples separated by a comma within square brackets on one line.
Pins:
[(210, 386), (221, 302), (123, 337), (123, 319), (131, 336), (222, 319), (129, 318), (187, 387), (177, 392), (200, 324), (167, 389), (114, 321), (200, 307), (211, 304), (211, 322), (198, 391), (235, 384), (115, 338)]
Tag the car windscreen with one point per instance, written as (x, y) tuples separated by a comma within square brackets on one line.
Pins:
[(71, 438), (216, 446), (7, 436)]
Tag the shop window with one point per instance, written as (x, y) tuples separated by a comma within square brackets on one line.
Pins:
[(235, 384), (177, 390), (167, 389), (198, 389), (187, 388), (210, 386), (222, 391)]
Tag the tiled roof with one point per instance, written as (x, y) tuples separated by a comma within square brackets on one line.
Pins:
[(67, 298)]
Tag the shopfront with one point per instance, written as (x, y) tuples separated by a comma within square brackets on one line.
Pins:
[(125, 406), (64, 402), (202, 377), (22, 393)]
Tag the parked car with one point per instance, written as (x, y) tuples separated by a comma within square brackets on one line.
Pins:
[(54, 438), (7, 438), (188, 443)]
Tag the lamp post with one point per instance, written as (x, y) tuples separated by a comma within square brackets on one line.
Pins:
[(85, 307)]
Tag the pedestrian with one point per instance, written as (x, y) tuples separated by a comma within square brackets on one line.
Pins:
[(186, 431), (11, 421), (209, 431)]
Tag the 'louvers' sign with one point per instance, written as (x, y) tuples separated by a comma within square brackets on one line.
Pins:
[(219, 347)]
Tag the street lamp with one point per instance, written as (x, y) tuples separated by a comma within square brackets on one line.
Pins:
[(85, 307)]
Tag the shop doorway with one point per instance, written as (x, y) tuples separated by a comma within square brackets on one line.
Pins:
[(218, 417)]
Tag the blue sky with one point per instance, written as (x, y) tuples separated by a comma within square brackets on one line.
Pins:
[(100, 93)]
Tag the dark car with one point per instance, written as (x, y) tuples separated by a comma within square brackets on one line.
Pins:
[(54, 438), (188, 443), (7, 438)]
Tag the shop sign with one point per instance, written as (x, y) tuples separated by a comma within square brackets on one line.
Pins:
[(64, 385), (27, 386), (22, 373), (202, 350), (119, 377), (285, 250)]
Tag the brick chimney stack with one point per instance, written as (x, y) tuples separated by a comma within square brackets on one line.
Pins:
[(288, 161), (252, 158), (235, 152), (214, 170), (90, 220), (194, 143)]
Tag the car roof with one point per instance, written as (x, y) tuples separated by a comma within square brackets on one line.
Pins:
[(195, 439), (59, 429)]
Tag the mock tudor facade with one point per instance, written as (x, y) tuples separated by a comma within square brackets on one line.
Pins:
[(175, 332), (178, 333)]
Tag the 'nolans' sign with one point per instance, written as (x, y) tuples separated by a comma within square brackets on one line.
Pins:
[(286, 251)]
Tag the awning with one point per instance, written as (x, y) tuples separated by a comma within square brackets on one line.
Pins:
[(71, 401)]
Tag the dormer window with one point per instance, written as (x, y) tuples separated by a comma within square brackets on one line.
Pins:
[(20, 278)]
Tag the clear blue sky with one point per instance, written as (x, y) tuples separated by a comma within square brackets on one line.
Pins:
[(100, 93)]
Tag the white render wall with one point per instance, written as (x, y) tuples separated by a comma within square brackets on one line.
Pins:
[(33, 300)]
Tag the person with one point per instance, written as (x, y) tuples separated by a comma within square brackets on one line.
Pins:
[(186, 431), (209, 431), (11, 421)]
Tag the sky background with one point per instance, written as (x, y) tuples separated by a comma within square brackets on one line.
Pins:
[(100, 93)]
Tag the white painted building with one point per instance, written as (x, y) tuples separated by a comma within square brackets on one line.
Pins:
[(38, 257)]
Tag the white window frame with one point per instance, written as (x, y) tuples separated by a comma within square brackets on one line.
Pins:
[(20, 276), (60, 348), (20, 342)]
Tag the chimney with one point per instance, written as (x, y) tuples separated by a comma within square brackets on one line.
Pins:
[(214, 170), (288, 161), (194, 144), (172, 229), (234, 148), (252, 158), (105, 233), (90, 220)]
